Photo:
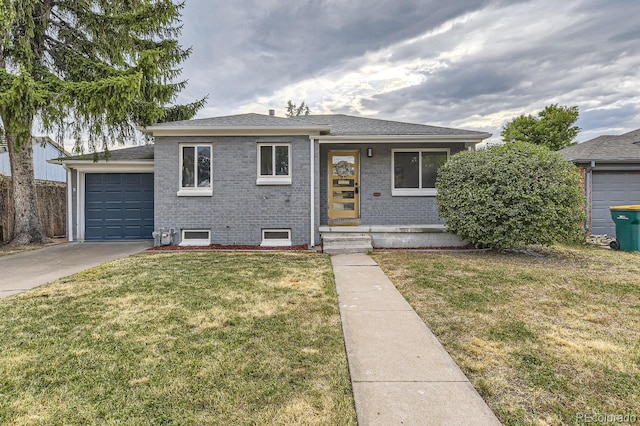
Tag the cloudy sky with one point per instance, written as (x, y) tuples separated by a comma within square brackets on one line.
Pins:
[(471, 64)]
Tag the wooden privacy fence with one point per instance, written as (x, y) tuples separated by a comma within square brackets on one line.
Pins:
[(51, 205)]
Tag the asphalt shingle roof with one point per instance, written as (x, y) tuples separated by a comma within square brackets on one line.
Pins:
[(240, 120), (333, 124), (346, 125), (144, 152), (621, 148)]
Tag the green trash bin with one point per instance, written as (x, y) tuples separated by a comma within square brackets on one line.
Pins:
[(627, 220)]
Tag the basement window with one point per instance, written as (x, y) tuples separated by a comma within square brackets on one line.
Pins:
[(276, 238), (196, 237)]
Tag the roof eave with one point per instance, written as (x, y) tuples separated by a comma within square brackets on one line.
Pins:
[(605, 160), (111, 166), (232, 130), (73, 161), (475, 139)]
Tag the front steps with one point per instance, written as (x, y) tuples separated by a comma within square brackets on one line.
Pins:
[(363, 238), (342, 243)]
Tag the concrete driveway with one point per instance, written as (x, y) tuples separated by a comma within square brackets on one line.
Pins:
[(23, 271)]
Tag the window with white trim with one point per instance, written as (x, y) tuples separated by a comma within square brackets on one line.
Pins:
[(195, 170), (276, 237), (195, 237), (274, 164), (415, 170)]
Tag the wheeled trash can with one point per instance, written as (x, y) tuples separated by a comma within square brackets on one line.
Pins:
[(627, 221)]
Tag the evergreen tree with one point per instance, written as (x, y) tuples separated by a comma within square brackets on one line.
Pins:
[(294, 111), (83, 67)]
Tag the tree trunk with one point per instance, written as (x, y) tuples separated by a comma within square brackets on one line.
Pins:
[(27, 225)]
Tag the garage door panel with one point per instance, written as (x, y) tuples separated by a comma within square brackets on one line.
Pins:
[(118, 206), (135, 179), (136, 196), (610, 189), (93, 178), (620, 195), (112, 214), (113, 178), (132, 214)]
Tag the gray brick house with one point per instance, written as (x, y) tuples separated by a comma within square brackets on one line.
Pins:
[(254, 179)]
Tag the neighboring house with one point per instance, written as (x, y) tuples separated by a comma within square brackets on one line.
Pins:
[(254, 179), (44, 149), (611, 170)]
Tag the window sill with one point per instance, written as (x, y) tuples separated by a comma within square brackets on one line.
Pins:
[(207, 192), (286, 180), (195, 243), (276, 243), (414, 192)]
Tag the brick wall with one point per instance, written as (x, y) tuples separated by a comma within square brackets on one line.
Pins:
[(375, 176), (239, 208), (582, 170)]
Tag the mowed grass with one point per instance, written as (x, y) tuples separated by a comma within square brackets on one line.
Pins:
[(178, 338), (547, 336)]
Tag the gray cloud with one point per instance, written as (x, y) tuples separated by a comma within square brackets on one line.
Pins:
[(492, 60), (246, 48)]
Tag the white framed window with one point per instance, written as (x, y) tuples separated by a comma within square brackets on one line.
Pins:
[(276, 237), (195, 237), (196, 170), (274, 164), (415, 170)]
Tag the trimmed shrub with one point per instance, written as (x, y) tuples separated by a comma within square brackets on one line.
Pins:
[(510, 195)]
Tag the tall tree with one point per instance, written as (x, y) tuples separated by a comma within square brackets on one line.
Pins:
[(294, 111), (83, 67), (553, 127)]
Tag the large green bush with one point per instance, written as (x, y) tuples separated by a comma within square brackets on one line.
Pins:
[(511, 195)]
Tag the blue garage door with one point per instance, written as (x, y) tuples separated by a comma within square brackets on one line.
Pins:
[(118, 206)]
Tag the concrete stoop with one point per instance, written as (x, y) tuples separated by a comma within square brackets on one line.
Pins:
[(398, 236), (345, 243)]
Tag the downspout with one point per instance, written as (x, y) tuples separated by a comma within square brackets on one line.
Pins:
[(587, 185), (69, 203), (312, 184), (80, 205)]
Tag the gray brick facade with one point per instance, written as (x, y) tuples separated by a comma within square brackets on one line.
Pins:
[(375, 177), (239, 208)]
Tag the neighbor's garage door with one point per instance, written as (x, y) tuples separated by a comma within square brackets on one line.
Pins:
[(612, 189), (118, 206)]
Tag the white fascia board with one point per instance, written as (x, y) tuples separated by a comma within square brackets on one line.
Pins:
[(233, 131), (110, 166), (402, 139)]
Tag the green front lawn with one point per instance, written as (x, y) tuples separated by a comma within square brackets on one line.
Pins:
[(178, 338), (547, 336)]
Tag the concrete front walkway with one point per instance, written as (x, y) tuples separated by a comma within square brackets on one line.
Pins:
[(23, 271), (401, 374)]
